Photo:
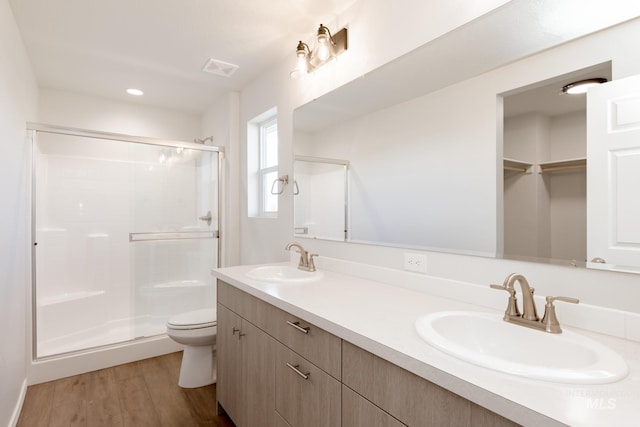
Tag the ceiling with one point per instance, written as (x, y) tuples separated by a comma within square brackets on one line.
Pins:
[(546, 97), (101, 48)]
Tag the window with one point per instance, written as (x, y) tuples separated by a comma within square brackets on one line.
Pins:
[(262, 165), (268, 170)]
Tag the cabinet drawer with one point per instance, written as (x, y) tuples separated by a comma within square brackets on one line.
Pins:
[(306, 396), (409, 398), (249, 307), (359, 412), (315, 344)]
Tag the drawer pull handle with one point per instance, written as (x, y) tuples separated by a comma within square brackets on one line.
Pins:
[(298, 371), (296, 325)]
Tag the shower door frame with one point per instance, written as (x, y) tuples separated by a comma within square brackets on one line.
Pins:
[(33, 128)]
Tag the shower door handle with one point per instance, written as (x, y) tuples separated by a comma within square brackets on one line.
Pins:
[(206, 217)]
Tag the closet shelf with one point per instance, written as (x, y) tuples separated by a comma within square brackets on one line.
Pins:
[(562, 165), (516, 165)]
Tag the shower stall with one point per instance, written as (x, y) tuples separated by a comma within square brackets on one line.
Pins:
[(125, 233)]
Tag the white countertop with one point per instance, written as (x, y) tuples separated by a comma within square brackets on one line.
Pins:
[(380, 318)]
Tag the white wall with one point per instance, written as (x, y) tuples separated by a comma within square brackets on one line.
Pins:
[(525, 201), (568, 190), (18, 104), (68, 109), (264, 239), (221, 120)]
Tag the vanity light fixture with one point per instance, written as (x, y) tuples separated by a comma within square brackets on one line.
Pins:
[(326, 48), (581, 86)]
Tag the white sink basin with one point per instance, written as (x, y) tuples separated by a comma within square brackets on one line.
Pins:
[(282, 274), (486, 340)]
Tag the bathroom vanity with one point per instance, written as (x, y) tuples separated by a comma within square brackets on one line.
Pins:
[(336, 349)]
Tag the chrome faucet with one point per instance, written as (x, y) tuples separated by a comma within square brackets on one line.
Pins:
[(529, 316), (306, 261)]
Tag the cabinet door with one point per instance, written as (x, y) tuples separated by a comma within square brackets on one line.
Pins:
[(407, 397), (306, 396), (359, 412), (258, 354), (229, 371)]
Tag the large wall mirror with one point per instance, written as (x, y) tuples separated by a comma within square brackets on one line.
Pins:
[(466, 146)]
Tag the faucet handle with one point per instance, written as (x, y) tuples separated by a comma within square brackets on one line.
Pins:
[(550, 300), (312, 265), (550, 320), (512, 305)]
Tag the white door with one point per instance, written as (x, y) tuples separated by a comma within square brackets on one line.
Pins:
[(613, 173)]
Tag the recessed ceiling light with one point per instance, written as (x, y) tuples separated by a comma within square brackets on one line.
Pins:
[(582, 85), (135, 92)]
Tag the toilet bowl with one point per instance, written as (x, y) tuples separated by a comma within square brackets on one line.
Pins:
[(196, 330)]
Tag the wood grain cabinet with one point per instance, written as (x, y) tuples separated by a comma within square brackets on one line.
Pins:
[(245, 371), (229, 371), (270, 365), (305, 394), (359, 412), (411, 399), (277, 370)]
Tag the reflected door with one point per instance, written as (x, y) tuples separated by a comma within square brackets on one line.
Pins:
[(320, 198), (613, 174)]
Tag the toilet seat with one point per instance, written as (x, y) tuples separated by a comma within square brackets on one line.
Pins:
[(197, 319)]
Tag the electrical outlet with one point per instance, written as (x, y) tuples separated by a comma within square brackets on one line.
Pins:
[(415, 262)]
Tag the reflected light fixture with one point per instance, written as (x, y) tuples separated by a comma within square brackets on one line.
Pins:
[(135, 92), (582, 86), (326, 48)]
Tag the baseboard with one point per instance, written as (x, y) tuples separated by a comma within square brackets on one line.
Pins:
[(66, 365), (13, 422)]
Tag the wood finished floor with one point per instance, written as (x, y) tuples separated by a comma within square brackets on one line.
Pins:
[(137, 394)]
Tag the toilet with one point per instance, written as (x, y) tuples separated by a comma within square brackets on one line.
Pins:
[(196, 330)]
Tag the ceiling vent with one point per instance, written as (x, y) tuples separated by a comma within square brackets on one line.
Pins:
[(219, 68)]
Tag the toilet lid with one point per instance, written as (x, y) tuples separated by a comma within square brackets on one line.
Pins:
[(197, 318)]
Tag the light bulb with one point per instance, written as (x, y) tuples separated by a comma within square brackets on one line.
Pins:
[(302, 61), (323, 48)]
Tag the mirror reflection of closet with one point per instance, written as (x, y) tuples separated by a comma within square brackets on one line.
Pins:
[(545, 185), (320, 198)]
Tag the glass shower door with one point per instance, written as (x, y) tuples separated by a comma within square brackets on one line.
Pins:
[(174, 234), (125, 235)]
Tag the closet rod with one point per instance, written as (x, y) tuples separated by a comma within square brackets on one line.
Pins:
[(544, 169), (511, 168)]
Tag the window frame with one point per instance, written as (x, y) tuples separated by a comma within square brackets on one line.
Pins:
[(264, 185)]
